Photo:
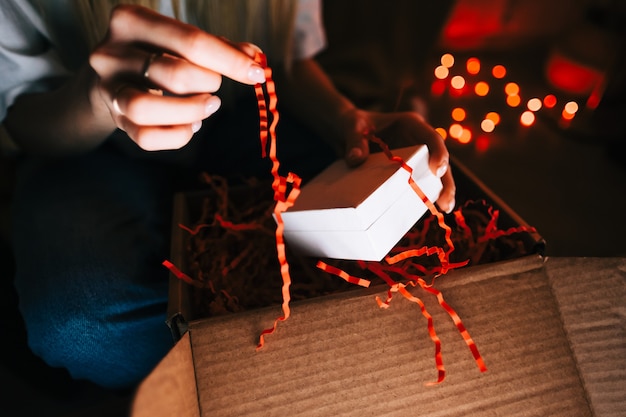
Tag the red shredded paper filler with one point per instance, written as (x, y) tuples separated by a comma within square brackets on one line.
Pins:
[(286, 190)]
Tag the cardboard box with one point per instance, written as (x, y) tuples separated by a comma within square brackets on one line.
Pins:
[(188, 207), (360, 213), (551, 332)]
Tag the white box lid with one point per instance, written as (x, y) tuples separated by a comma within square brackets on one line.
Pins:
[(360, 213)]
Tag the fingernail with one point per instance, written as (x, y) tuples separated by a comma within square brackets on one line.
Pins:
[(441, 171), (355, 153), (451, 208), (256, 74), (212, 104), (196, 126)]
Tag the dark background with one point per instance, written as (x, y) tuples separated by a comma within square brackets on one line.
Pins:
[(567, 181)]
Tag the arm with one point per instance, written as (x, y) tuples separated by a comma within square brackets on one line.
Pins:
[(111, 91), (310, 95), (70, 119)]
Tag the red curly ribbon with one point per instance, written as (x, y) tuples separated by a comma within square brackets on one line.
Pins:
[(342, 274), (401, 288), (283, 199), (178, 273)]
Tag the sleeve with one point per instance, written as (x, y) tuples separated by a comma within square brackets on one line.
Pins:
[(28, 62), (310, 36)]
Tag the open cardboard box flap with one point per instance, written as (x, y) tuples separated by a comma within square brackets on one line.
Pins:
[(551, 332)]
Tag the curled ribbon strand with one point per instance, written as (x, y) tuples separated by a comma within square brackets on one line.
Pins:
[(283, 199)]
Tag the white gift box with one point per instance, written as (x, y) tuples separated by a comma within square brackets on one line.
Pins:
[(360, 213)]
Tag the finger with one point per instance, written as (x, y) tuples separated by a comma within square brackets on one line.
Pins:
[(148, 109), (141, 25), (447, 198), (181, 77), (249, 49), (357, 147), (439, 157), (164, 71), (357, 150), (159, 138)]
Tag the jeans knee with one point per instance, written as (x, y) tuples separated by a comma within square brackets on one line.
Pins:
[(115, 354)]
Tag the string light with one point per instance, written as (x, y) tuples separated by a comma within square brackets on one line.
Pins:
[(498, 71), (457, 87), (534, 104), (527, 118), (458, 114), (447, 60), (473, 66), (481, 88)]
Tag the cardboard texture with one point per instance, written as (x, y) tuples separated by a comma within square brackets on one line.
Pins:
[(551, 332), (360, 213)]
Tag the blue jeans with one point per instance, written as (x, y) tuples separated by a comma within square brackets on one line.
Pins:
[(90, 234)]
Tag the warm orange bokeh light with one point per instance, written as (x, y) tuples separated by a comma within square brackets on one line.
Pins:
[(457, 82), (482, 143), (466, 136), (511, 89), (527, 118), (498, 71), (549, 101), (455, 130), (442, 72), (567, 116), (481, 88), (438, 87), (487, 125), (513, 100), (458, 114), (473, 66), (534, 104), (447, 60), (494, 117), (442, 132), (571, 107)]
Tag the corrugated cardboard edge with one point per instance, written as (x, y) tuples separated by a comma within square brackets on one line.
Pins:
[(593, 311), (178, 308), (170, 390)]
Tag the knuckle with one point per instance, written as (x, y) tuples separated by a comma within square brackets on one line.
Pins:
[(195, 41)]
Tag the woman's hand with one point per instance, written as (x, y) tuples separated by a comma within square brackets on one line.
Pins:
[(157, 76), (398, 130)]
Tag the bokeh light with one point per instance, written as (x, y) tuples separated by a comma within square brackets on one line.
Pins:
[(527, 118), (482, 143), (442, 72), (513, 100), (442, 132), (549, 101), (466, 136), (473, 66), (498, 71), (534, 104), (457, 82), (571, 107), (481, 89), (511, 89), (438, 87), (458, 114), (494, 117), (447, 60), (487, 125), (455, 130)]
